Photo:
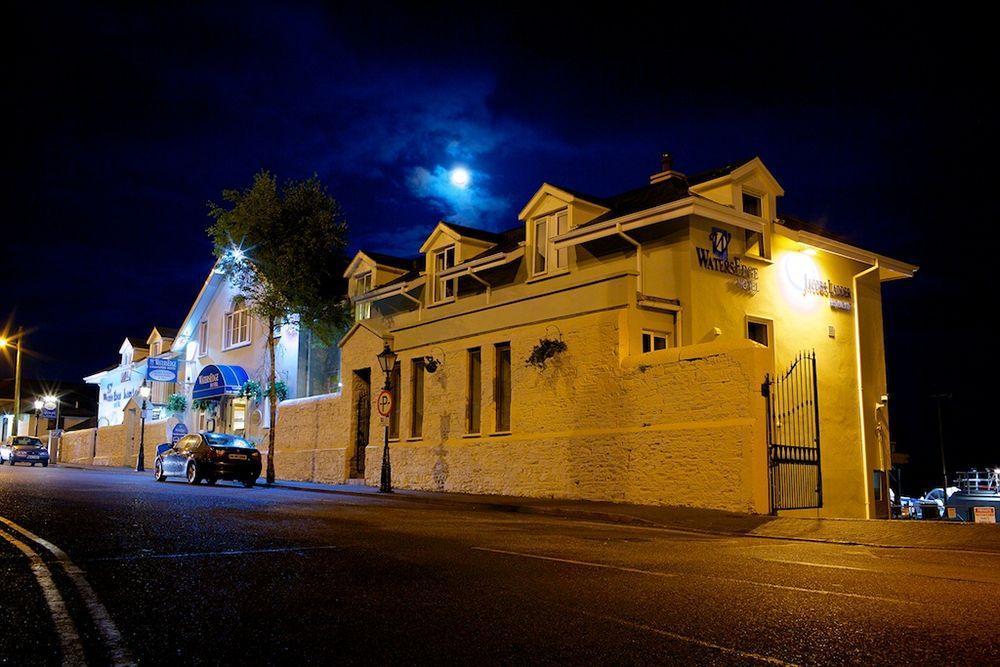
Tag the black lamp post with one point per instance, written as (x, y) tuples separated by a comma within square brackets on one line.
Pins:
[(39, 404), (386, 361), (140, 459)]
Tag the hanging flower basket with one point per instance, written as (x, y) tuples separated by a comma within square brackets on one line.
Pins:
[(280, 389), (251, 389), (545, 350), (206, 405), (176, 403)]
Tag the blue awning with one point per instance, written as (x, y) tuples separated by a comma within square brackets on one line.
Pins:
[(217, 380)]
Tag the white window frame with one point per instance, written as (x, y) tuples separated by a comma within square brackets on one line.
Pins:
[(653, 335), (203, 338), (362, 311), (237, 321), (756, 195), (439, 289), (553, 261)]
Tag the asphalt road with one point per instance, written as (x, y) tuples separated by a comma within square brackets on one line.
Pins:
[(127, 569)]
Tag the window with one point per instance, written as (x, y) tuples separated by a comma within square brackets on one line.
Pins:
[(157, 348), (759, 330), (394, 390), (203, 338), (443, 288), (473, 415), (654, 340), (417, 406), (363, 311), (752, 204), (502, 389), (545, 255), (878, 485), (237, 329)]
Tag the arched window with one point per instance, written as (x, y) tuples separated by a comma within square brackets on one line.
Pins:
[(237, 325)]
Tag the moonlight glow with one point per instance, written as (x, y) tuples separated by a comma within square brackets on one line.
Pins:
[(460, 177)]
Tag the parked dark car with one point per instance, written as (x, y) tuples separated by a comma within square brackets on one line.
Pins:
[(24, 449), (209, 457)]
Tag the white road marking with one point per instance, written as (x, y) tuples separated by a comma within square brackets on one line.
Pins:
[(102, 619), (578, 562), (827, 565), (797, 589), (684, 638), (209, 554), (69, 638)]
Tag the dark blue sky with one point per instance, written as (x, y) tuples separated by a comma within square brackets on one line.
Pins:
[(124, 122)]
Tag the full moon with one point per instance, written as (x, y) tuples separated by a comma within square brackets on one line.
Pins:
[(460, 177)]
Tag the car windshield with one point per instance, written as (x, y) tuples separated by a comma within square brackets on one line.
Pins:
[(223, 440), (26, 441)]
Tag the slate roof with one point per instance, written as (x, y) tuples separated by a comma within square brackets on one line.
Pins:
[(384, 259), (167, 332)]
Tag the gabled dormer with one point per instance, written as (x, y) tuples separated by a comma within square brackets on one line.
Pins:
[(749, 188), (550, 212), (369, 270), (450, 244), (160, 340), (133, 349)]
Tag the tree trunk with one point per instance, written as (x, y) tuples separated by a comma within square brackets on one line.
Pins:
[(272, 394)]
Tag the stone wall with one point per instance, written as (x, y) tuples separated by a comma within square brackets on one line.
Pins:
[(111, 445), (682, 426)]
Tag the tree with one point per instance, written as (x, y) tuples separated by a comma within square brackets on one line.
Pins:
[(283, 248)]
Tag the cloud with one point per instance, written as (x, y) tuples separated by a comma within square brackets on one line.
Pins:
[(472, 205)]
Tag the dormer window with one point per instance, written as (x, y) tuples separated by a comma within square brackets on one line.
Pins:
[(126, 358), (752, 204), (363, 311), (444, 288), (545, 257)]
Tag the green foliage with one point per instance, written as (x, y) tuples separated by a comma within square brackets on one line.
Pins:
[(176, 403), (294, 240), (206, 405), (280, 390), (545, 350), (251, 389)]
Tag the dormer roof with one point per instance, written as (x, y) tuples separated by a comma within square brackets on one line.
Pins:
[(392, 262), (457, 233)]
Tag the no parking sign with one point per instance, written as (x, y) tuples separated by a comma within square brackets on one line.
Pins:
[(383, 402)]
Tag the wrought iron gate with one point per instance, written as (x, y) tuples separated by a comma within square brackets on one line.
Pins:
[(363, 411), (794, 474)]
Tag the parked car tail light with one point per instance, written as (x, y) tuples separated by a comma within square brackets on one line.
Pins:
[(255, 454)]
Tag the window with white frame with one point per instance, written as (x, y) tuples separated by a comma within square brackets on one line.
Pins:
[(363, 311), (203, 338), (236, 332), (654, 340), (545, 257), (157, 348), (444, 288)]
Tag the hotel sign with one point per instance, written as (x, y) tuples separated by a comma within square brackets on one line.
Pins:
[(717, 259), (159, 369), (839, 295)]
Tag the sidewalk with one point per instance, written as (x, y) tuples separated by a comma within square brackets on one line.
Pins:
[(876, 533)]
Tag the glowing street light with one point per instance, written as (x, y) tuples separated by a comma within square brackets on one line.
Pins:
[(460, 177), (17, 342), (39, 404), (140, 460)]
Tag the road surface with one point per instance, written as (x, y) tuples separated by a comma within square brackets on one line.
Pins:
[(105, 567)]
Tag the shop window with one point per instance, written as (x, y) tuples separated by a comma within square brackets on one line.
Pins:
[(475, 388), (444, 288), (417, 399), (237, 327), (878, 485), (203, 338), (654, 340), (759, 330), (752, 204), (363, 311), (502, 391), (545, 255)]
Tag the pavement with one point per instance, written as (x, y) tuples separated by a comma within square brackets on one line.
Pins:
[(109, 567), (892, 533)]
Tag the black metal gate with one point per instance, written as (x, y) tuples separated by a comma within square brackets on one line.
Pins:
[(363, 411), (793, 458)]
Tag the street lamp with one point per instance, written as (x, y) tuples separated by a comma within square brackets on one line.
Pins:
[(140, 459), (39, 403), (386, 361), (18, 343)]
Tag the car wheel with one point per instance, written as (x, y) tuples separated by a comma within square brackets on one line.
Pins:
[(32, 465), (249, 482), (158, 471), (45, 464), (193, 475)]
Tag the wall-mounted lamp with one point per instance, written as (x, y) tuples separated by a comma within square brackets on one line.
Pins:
[(432, 363)]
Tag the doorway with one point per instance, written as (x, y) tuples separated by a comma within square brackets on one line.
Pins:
[(362, 381)]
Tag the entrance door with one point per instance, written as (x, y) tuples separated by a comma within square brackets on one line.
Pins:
[(793, 436), (362, 412)]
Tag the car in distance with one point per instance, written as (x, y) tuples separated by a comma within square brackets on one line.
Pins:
[(24, 449), (210, 457)]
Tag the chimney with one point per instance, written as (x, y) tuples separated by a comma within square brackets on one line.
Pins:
[(666, 169)]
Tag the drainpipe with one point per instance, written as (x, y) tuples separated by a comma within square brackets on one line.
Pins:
[(861, 402), (638, 254)]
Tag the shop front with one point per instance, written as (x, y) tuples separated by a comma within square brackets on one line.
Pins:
[(218, 392)]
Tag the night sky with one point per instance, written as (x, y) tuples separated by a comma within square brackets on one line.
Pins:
[(124, 122)]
